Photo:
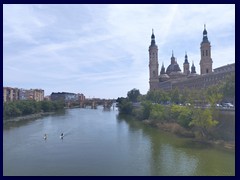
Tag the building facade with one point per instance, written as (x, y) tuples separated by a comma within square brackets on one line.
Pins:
[(66, 97), (14, 94), (10, 94), (173, 77)]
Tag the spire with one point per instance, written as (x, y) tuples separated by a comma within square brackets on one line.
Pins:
[(205, 38), (193, 70), (186, 58), (173, 61), (204, 31), (163, 69), (152, 38)]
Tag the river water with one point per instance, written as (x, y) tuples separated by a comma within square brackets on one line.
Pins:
[(98, 142)]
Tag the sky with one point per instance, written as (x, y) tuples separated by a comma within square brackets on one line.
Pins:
[(102, 50)]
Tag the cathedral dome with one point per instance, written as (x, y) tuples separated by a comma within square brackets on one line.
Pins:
[(163, 77), (173, 68)]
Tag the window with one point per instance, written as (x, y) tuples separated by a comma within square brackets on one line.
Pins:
[(202, 52), (206, 70), (206, 52), (154, 74)]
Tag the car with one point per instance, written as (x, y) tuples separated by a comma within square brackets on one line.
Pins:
[(228, 105)]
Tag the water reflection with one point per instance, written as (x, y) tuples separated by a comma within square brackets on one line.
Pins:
[(170, 155), (98, 143), (176, 162), (8, 124), (165, 159)]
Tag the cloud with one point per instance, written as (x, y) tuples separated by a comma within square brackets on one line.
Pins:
[(63, 47)]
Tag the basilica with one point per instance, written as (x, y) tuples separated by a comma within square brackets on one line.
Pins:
[(173, 77)]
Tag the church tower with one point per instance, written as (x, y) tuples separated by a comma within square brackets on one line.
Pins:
[(153, 64), (193, 70), (206, 60), (186, 65)]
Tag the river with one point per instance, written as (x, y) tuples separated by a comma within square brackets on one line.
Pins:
[(99, 143)]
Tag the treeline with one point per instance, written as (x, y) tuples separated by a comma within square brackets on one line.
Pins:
[(27, 107), (167, 106), (188, 117)]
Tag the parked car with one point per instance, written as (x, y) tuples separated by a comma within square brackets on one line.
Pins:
[(228, 105)]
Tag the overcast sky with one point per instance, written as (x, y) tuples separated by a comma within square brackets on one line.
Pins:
[(102, 50)]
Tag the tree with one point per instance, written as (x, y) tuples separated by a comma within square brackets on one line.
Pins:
[(125, 107), (175, 96), (46, 106), (157, 112), (203, 119), (158, 96), (165, 97), (228, 88), (58, 105), (11, 110), (133, 95), (213, 95), (185, 117), (147, 107), (26, 107)]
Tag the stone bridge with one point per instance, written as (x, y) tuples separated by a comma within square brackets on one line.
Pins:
[(93, 103)]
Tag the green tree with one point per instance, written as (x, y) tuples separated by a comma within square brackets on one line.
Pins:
[(165, 97), (185, 117), (58, 105), (125, 107), (213, 95), (228, 88), (157, 112), (133, 95), (146, 108), (150, 96), (26, 107), (203, 119), (11, 110), (47, 106), (158, 96), (175, 98)]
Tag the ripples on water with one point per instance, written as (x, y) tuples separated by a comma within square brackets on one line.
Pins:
[(99, 142)]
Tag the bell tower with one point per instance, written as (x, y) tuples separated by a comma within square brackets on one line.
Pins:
[(153, 64), (186, 65), (206, 60)]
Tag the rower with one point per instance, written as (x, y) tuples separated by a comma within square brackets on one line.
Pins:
[(61, 136)]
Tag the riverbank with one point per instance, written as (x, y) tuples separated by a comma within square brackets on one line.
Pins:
[(171, 127), (28, 117), (180, 131)]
